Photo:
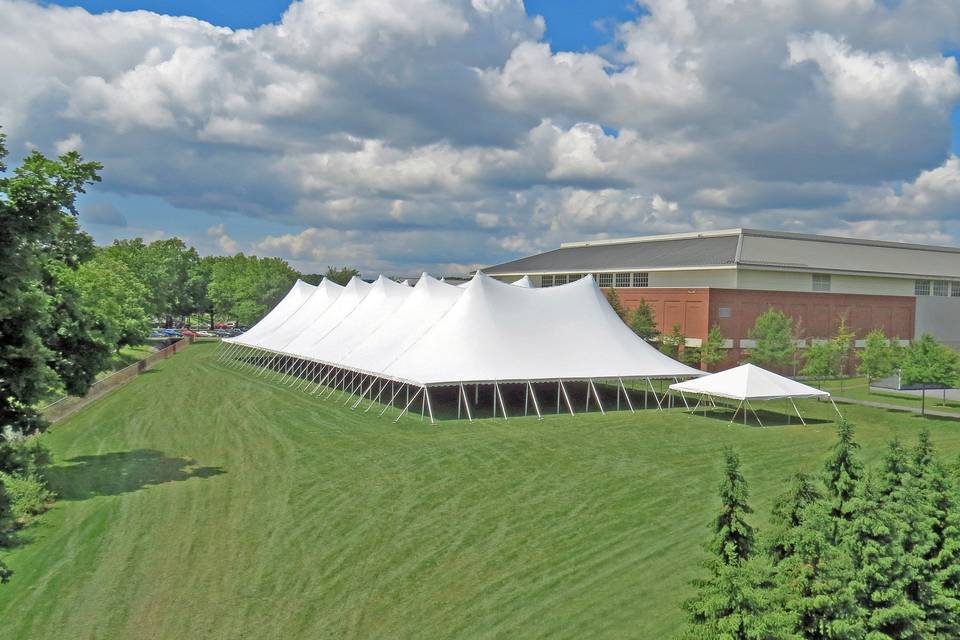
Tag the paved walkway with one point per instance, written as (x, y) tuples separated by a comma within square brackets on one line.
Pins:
[(896, 407)]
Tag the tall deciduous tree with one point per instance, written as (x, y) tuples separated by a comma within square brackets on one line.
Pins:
[(773, 335), (246, 287), (928, 363), (877, 358), (43, 340), (341, 275)]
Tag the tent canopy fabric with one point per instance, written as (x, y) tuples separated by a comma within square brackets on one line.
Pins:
[(436, 334), (525, 282), (749, 382), (298, 294)]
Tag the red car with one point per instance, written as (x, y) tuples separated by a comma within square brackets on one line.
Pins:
[(188, 333)]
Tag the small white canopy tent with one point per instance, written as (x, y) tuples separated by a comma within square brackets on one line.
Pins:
[(750, 382)]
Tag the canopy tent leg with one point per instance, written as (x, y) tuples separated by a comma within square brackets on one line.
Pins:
[(426, 394), (476, 395), (278, 369), (383, 385), (734, 417), (459, 400), (536, 405), (798, 412), (754, 413), (597, 396), (296, 372), (503, 405), (354, 389), (409, 402), (682, 397), (697, 406), (835, 408), (466, 402), (659, 404), (494, 402), (558, 397), (307, 373), (626, 395), (423, 404), (587, 409), (323, 380), (566, 397), (337, 381), (266, 366), (618, 398), (526, 400), (363, 395), (392, 398)]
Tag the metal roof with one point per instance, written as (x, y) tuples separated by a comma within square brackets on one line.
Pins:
[(744, 248)]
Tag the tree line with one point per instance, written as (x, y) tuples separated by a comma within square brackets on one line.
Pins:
[(851, 553), (67, 306)]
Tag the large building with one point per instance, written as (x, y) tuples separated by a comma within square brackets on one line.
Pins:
[(729, 277)]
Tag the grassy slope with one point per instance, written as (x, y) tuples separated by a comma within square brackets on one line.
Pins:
[(200, 502)]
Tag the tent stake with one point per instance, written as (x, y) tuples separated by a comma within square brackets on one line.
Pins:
[(626, 395)]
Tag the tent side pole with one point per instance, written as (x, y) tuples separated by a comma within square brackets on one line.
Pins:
[(558, 397), (835, 408), (390, 403), (494, 402), (597, 396), (466, 402), (266, 367), (754, 413), (566, 397), (798, 412), (682, 397), (383, 385), (526, 400), (536, 405), (659, 404), (734, 417), (587, 405), (426, 394), (626, 395), (323, 380), (423, 404), (406, 408), (354, 389), (363, 395), (503, 405), (459, 400)]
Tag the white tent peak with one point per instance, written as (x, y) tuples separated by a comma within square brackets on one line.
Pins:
[(749, 382), (524, 282)]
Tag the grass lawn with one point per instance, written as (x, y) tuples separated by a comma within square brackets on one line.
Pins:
[(200, 502), (857, 389)]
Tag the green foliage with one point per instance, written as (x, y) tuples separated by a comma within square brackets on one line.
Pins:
[(928, 362), (246, 287), (45, 341), (773, 334), (843, 341), (712, 350), (28, 494), (842, 474), (673, 343), (642, 322), (732, 534), (821, 360), (878, 356), (167, 270), (614, 299), (341, 276)]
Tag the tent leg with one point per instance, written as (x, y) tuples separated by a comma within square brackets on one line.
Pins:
[(835, 408), (423, 404), (697, 406), (587, 406), (503, 405), (390, 403), (406, 408), (618, 398), (383, 385), (659, 404), (682, 397), (754, 413), (734, 417), (426, 394), (466, 402), (536, 405), (626, 395), (597, 396), (494, 402), (526, 400), (476, 394), (354, 389), (324, 380), (798, 412), (459, 400), (566, 397), (266, 367), (363, 395), (558, 397)]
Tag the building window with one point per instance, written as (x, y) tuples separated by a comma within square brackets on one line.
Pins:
[(623, 280), (821, 282), (955, 289), (941, 288), (921, 288), (546, 281), (560, 279), (641, 279), (573, 277), (605, 280), (724, 312)]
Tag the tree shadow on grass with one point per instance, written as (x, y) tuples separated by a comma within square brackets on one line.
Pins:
[(120, 472)]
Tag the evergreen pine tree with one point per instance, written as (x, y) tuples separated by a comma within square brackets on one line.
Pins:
[(614, 299), (842, 472), (881, 568), (642, 321)]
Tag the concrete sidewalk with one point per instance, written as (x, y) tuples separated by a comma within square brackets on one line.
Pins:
[(896, 407)]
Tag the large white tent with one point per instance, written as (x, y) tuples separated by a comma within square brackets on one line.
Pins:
[(364, 337), (750, 382), (298, 294)]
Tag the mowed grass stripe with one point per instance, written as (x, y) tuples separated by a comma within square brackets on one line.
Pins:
[(202, 501)]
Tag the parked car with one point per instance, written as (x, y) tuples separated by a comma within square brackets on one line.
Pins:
[(189, 333)]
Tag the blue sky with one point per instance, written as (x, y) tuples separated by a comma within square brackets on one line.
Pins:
[(447, 134)]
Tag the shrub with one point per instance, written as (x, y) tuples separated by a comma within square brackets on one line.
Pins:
[(28, 494)]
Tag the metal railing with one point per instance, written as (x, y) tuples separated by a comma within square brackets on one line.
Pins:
[(68, 405)]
